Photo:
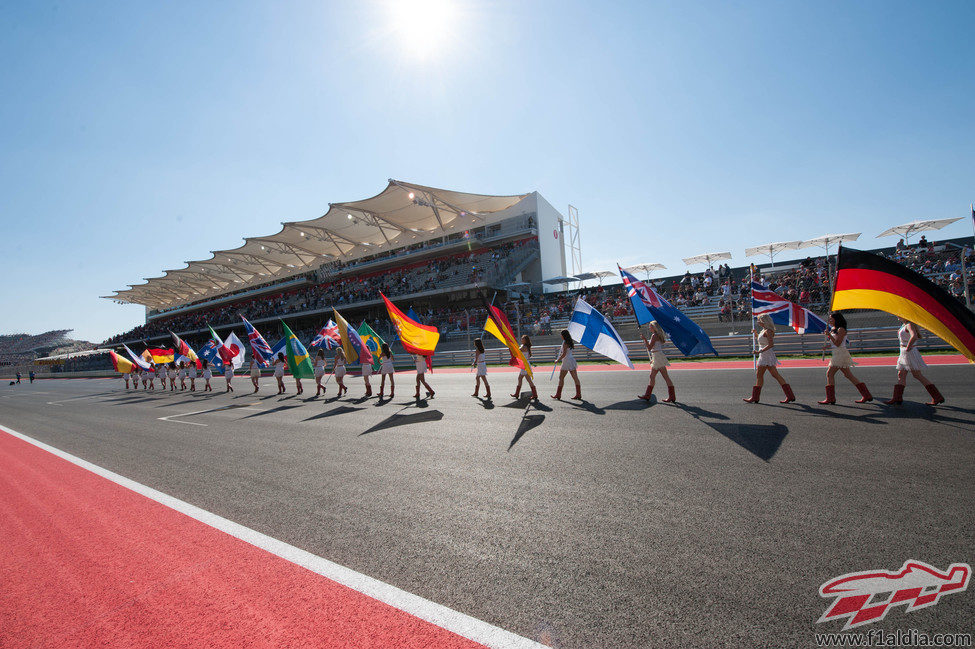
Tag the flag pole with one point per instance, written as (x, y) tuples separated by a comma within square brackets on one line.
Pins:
[(751, 280)]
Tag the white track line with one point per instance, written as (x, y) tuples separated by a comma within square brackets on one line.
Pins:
[(446, 618)]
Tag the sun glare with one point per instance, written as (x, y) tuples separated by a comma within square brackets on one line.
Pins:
[(424, 27)]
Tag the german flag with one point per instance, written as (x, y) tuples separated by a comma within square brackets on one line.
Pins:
[(498, 326), (868, 281)]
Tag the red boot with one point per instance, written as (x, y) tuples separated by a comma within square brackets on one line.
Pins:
[(756, 393), (671, 394), (368, 390), (865, 395), (646, 395), (534, 393), (898, 397), (558, 393), (936, 396), (789, 394), (830, 396), (578, 393), (488, 395)]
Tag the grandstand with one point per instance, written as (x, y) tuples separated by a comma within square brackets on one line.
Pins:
[(19, 352), (438, 251)]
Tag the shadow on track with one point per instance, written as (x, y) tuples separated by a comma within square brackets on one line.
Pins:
[(341, 410), (271, 411), (761, 440), (404, 420)]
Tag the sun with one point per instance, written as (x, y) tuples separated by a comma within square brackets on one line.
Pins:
[(423, 27)]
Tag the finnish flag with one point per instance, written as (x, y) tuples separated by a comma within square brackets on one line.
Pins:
[(591, 329)]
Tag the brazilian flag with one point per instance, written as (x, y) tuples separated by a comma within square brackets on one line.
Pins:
[(373, 343), (298, 361)]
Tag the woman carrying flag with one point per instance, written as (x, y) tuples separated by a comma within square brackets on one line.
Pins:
[(255, 368), (182, 376), (481, 369), (338, 368), (191, 372), (172, 377), (910, 361), (658, 361), (366, 373), (421, 370), (207, 375), (767, 361), (526, 349), (840, 361), (569, 366), (386, 369), (279, 364), (228, 373), (319, 371)]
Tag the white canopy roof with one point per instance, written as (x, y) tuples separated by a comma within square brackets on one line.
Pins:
[(402, 214), (772, 249), (907, 229), (599, 274), (707, 258), (647, 268), (828, 240)]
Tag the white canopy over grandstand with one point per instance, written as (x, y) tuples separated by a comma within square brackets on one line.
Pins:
[(401, 215)]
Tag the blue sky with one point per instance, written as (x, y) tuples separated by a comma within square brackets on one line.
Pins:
[(136, 136)]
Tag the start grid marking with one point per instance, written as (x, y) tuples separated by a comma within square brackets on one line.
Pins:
[(215, 572)]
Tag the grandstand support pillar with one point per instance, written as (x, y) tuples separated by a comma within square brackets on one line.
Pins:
[(570, 238)]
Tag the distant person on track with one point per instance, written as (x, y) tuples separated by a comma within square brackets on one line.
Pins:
[(910, 362), (366, 369), (658, 361), (338, 368), (125, 377), (767, 361), (228, 373), (421, 376), (182, 375), (320, 365), (191, 373), (255, 368), (840, 361), (144, 377), (386, 369), (30, 375), (18, 380), (526, 349), (481, 374), (151, 375), (207, 375), (172, 377), (279, 364), (569, 365)]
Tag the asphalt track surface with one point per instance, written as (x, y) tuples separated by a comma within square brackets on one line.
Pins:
[(606, 523)]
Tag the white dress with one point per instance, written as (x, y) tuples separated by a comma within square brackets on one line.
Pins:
[(207, 374), (278, 369), (182, 374), (481, 365), (658, 359), (528, 357), (909, 360), (255, 369), (319, 368), (766, 358), (366, 369), (421, 364), (387, 366), (339, 368), (172, 374), (840, 355), (569, 361), (192, 371), (228, 373)]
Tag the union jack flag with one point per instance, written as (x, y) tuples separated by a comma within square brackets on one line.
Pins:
[(784, 312), (261, 350), (328, 336)]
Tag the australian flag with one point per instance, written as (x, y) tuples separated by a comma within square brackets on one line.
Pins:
[(210, 352), (649, 305), (259, 346), (784, 312), (328, 337)]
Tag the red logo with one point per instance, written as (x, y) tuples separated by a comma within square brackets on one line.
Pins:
[(865, 597), (556, 233)]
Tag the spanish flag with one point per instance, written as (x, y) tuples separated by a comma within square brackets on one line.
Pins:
[(121, 365), (497, 325), (158, 356), (415, 337), (868, 281)]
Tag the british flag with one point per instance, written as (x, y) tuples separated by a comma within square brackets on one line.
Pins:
[(259, 347), (328, 336), (784, 312)]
